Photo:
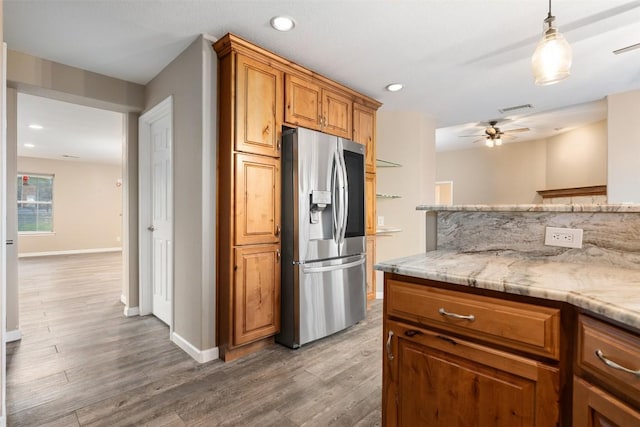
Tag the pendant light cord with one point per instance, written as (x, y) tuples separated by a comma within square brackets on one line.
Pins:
[(549, 15)]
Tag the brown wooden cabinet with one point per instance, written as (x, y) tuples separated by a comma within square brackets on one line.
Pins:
[(310, 104), (439, 380), (593, 407), (608, 358), (370, 200), (256, 292), (371, 274), (364, 132), (257, 199), (446, 369), (253, 84), (259, 107)]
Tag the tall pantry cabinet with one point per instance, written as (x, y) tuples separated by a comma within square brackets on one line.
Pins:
[(258, 93)]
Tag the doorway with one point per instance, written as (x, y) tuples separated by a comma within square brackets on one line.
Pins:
[(156, 212)]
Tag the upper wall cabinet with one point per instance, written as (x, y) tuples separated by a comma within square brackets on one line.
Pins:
[(364, 132), (259, 101), (314, 106)]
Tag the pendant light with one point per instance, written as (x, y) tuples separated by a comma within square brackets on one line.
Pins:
[(551, 60)]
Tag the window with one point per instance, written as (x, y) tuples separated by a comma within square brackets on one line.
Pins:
[(35, 207)]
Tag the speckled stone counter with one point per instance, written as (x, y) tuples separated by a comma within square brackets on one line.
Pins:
[(610, 291)]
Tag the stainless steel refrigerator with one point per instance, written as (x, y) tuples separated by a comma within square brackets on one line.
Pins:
[(323, 241)]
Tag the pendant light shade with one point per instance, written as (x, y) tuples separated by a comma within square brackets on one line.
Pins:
[(551, 61)]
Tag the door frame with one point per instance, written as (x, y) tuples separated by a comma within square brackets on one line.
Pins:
[(160, 110)]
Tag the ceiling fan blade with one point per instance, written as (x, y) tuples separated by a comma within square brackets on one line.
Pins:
[(516, 130), (469, 136)]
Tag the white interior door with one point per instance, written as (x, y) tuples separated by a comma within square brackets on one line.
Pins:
[(156, 212), (161, 213)]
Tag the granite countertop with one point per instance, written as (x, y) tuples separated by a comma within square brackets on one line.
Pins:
[(615, 208), (612, 292)]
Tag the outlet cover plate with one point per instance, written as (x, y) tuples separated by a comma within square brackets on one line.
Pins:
[(563, 237)]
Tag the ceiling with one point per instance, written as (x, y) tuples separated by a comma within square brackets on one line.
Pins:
[(460, 60), (69, 131)]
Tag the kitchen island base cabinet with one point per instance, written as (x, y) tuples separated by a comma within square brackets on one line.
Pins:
[(431, 379), (593, 407)]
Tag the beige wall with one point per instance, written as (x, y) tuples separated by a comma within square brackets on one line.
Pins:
[(191, 79), (578, 158), (38, 76), (624, 147), (511, 173), (12, 210), (87, 206), (407, 138), (130, 210)]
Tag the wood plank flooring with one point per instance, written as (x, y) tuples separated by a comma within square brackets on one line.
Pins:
[(82, 363)]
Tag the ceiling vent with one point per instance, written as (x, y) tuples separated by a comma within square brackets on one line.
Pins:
[(70, 156), (627, 49), (515, 108)]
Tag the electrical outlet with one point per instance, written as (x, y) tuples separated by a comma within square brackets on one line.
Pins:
[(380, 221), (564, 237)]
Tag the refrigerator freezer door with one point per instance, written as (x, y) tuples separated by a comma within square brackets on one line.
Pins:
[(332, 296)]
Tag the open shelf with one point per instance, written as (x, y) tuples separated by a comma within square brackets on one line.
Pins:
[(386, 230), (386, 164)]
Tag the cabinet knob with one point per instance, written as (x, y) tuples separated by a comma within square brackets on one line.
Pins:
[(277, 230), (278, 255)]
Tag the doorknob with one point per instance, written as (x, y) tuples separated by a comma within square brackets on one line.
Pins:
[(151, 228)]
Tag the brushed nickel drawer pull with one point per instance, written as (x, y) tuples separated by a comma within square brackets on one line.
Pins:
[(389, 352), (614, 365), (469, 317)]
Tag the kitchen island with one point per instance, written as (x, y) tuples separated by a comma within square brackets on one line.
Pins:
[(491, 327)]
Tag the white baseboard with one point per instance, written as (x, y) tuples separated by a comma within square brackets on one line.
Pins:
[(200, 356), (11, 336), (71, 252), (123, 299), (379, 295), (131, 311)]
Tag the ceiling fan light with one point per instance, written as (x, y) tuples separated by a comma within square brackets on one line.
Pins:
[(498, 142), (488, 142)]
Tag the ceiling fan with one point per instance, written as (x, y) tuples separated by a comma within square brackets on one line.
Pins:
[(493, 135)]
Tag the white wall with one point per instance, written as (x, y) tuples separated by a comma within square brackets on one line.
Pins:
[(578, 158), (407, 138), (511, 173), (623, 173), (192, 78), (87, 206)]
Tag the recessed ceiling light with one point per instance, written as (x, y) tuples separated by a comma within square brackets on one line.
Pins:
[(35, 126), (282, 23), (27, 145), (394, 87)]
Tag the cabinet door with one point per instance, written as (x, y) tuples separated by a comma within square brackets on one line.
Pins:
[(592, 407), (302, 102), (256, 293), (337, 113), (444, 381), (364, 132), (370, 200), (371, 274), (257, 200), (259, 100)]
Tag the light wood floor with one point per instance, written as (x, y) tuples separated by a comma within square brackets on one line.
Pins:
[(81, 362)]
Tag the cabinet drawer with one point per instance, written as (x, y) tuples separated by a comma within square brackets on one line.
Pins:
[(615, 345), (516, 325)]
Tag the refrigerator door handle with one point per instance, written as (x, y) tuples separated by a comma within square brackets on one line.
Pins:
[(345, 191), (338, 267), (334, 185)]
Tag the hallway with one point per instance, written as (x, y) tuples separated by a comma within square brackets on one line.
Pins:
[(81, 362)]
